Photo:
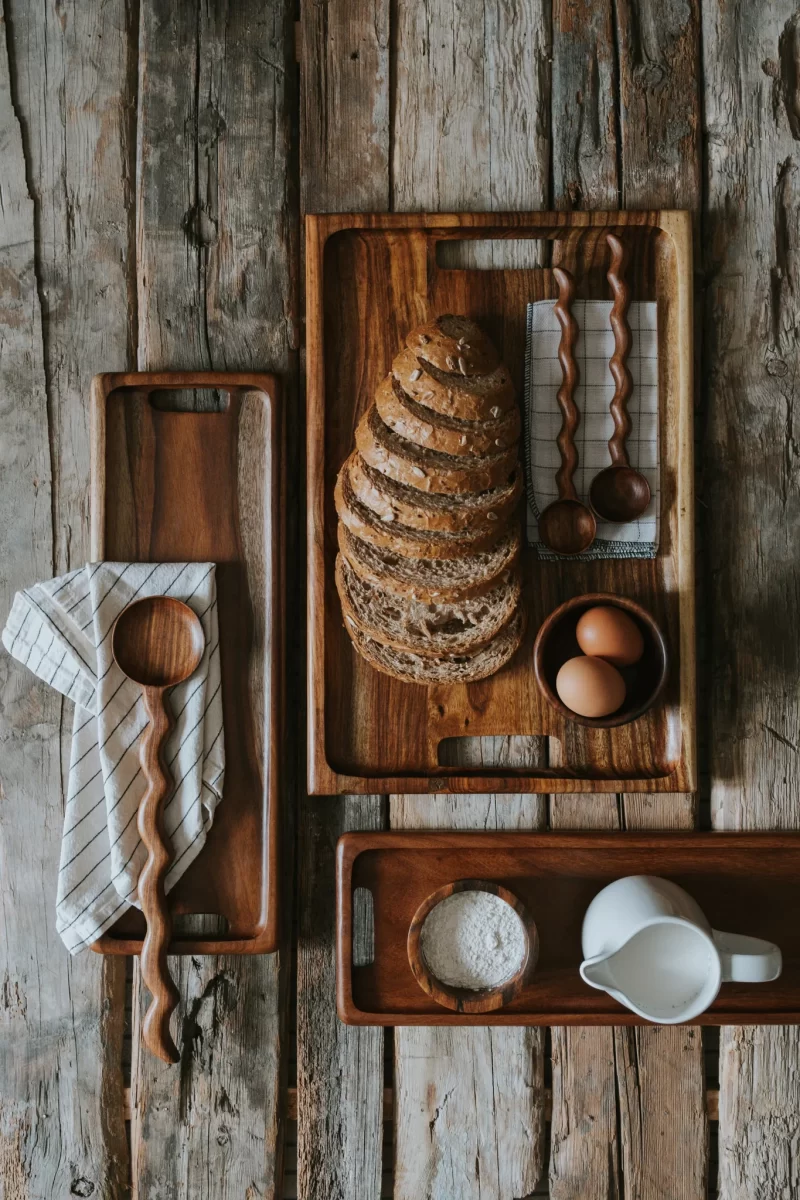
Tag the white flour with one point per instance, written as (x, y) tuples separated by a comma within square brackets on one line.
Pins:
[(473, 940)]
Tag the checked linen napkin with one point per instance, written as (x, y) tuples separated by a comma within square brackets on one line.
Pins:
[(61, 630), (593, 395)]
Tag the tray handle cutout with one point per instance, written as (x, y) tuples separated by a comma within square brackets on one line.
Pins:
[(197, 924), (363, 927), (491, 254), (194, 400)]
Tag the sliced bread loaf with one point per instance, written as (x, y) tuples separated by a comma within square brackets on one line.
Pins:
[(432, 578), (468, 397), (436, 431), (393, 501), (450, 627), (393, 535), (429, 470), (454, 344), (447, 668)]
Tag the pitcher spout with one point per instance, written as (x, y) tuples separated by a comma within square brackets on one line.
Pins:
[(597, 972)]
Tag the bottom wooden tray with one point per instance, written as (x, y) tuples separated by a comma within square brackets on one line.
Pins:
[(745, 883)]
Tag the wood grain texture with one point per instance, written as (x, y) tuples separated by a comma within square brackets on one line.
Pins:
[(216, 250), (750, 319), (63, 245), (344, 165), (621, 140)]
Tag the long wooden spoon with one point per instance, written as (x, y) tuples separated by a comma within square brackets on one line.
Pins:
[(620, 492), (157, 642), (567, 526)]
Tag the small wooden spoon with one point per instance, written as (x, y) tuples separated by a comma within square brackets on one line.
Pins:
[(567, 526), (620, 492), (157, 642)]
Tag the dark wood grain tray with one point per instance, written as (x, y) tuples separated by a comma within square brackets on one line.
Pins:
[(370, 279), (208, 486), (744, 882)]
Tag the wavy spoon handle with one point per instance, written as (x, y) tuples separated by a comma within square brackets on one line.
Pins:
[(155, 971), (618, 364), (571, 418)]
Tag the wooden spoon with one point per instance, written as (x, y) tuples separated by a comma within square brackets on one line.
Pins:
[(567, 526), (620, 492), (157, 642)]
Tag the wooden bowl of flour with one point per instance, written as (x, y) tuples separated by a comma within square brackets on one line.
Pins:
[(472, 999)]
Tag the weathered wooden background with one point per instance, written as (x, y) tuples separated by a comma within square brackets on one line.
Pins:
[(155, 159)]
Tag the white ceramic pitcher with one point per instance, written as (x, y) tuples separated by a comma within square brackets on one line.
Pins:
[(647, 943)]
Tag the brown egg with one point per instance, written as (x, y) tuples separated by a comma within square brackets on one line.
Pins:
[(607, 632), (591, 687)]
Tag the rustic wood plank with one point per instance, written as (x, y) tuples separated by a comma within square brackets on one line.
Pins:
[(216, 247), (471, 131), (647, 151), (753, 497), (344, 156), (339, 1067), (63, 297)]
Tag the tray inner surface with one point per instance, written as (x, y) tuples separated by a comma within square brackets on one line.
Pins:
[(199, 487), (378, 284), (742, 891)]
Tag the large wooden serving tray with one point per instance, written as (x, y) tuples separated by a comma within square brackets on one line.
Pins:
[(370, 279), (208, 486), (744, 882)]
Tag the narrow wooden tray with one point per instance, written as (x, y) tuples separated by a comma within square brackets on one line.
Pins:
[(208, 486), (371, 278), (744, 882)]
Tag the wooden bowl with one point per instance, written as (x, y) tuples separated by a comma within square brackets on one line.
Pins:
[(471, 1000), (556, 643)]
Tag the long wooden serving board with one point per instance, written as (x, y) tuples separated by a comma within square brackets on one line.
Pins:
[(171, 485), (744, 882), (371, 278)]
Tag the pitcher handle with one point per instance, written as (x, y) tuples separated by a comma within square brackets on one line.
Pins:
[(747, 959)]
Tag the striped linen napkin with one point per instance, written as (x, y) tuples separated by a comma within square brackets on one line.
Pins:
[(61, 630), (593, 395)]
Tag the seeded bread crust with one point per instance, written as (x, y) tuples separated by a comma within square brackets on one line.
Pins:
[(454, 344), (429, 470), (427, 510), (435, 431), (432, 629), (414, 543), (447, 668), (432, 579), (468, 398)]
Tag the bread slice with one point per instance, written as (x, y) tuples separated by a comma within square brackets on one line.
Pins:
[(469, 398), (393, 501), (435, 431), (432, 578), (454, 344), (429, 470), (448, 627), (416, 543), (446, 668)]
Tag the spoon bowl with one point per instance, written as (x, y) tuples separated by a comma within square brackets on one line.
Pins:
[(567, 526), (157, 642), (619, 493)]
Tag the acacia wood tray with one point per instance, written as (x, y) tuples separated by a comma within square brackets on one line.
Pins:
[(208, 486), (744, 882), (370, 279)]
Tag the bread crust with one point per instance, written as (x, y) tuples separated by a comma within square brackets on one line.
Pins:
[(436, 431), (414, 543), (391, 577), (419, 614), (416, 668), (423, 510), (466, 398), (454, 343), (429, 470)]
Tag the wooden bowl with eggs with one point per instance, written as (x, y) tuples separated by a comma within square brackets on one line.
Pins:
[(624, 663)]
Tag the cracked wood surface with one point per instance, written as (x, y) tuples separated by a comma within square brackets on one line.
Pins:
[(751, 318), (64, 272), (629, 1116), (216, 255)]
